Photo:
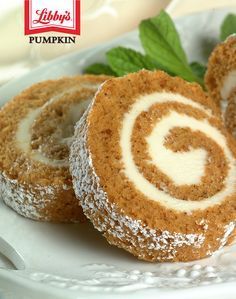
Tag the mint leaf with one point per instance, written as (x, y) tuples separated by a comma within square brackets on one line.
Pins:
[(162, 45), (124, 61), (161, 42), (228, 26), (166, 28), (198, 68), (98, 69)]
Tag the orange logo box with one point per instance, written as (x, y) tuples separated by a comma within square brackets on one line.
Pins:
[(52, 15)]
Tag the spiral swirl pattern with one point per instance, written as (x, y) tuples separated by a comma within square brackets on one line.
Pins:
[(154, 168), (36, 129), (182, 148), (45, 132)]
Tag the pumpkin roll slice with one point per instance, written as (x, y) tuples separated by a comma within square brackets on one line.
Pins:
[(154, 168), (221, 80), (220, 77), (35, 132)]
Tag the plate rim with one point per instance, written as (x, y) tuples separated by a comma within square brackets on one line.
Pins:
[(13, 275)]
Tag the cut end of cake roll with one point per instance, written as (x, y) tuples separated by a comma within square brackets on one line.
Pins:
[(220, 80), (220, 77), (154, 168), (36, 128)]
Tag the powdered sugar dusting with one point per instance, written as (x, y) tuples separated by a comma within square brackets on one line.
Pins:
[(36, 200), (228, 229), (21, 199), (120, 229)]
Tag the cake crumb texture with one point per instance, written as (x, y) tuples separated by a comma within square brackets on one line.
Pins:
[(154, 209)]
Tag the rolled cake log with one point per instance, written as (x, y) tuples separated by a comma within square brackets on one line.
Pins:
[(220, 80), (154, 168), (35, 131)]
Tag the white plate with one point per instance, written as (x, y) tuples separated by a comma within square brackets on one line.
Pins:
[(75, 261)]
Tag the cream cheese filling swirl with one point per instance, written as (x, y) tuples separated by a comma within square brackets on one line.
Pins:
[(228, 85), (60, 128), (228, 105), (184, 168)]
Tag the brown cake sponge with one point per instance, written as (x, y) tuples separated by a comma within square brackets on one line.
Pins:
[(220, 77), (230, 113), (154, 168), (221, 80), (35, 131)]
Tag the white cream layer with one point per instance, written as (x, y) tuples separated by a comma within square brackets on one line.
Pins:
[(185, 173), (229, 84), (182, 167), (23, 134)]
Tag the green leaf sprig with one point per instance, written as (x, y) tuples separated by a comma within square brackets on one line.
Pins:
[(228, 26), (163, 51), (161, 42)]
